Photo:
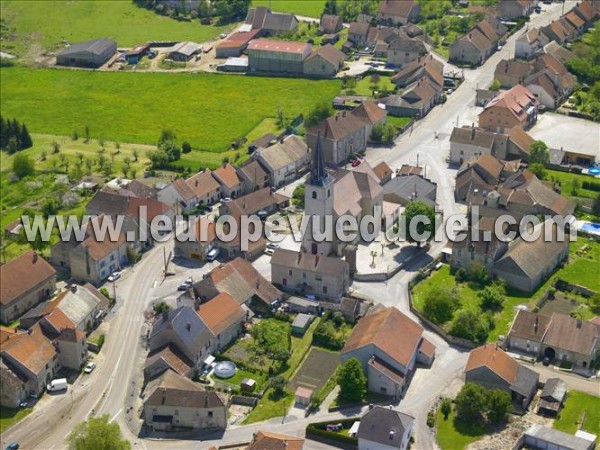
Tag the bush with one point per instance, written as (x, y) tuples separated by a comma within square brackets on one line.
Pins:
[(471, 326), (186, 147), (440, 304), (100, 342), (492, 297)]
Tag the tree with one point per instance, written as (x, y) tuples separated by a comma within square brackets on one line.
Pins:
[(55, 147), (414, 211), (229, 10), (471, 402), (298, 196), (499, 405), (377, 132), (389, 133), (352, 381), (186, 147), (23, 165), (469, 325), (318, 113), (99, 433), (330, 7), (50, 206), (538, 170), (440, 303), (278, 384), (596, 205), (25, 140), (496, 85), (74, 135), (492, 297), (538, 153), (161, 307), (135, 154)]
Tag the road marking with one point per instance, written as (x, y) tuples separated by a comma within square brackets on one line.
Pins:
[(115, 416)]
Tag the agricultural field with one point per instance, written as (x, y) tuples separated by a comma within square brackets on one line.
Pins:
[(308, 8), (316, 369), (209, 111), (32, 27)]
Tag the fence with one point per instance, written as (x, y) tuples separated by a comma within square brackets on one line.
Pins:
[(244, 401), (563, 285)]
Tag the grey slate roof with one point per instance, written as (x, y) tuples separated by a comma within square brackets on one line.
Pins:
[(95, 46), (384, 426), (525, 381), (561, 440), (311, 263), (555, 389), (174, 390), (405, 187)]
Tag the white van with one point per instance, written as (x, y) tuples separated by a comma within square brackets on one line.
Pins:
[(60, 384), (213, 254)]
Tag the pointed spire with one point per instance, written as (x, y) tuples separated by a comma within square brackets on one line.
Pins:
[(318, 174)]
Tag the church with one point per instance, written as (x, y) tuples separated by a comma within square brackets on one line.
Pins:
[(336, 193)]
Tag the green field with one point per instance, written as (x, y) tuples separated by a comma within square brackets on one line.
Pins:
[(455, 434), (308, 8), (583, 269), (209, 111), (45, 24), (581, 411), (566, 183)]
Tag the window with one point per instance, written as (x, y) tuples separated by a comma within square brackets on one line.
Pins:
[(176, 412), (112, 257), (210, 414), (314, 194), (304, 275), (328, 193), (318, 277), (290, 272), (324, 289)]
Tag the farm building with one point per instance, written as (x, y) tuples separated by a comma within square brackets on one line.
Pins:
[(184, 51), (92, 53), (136, 53), (277, 56), (235, 44)]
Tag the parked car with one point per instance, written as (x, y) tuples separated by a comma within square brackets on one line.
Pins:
[(60, 384), (114, 276), (269, 251), (24, 404), (538, 9), (208, 209), (213, 254), (12, 446), (185, 285), (89, 368), (355, 162), (273, 245)]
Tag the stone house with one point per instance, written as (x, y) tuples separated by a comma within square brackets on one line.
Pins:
[(227, 177), (206, 189), (224, 317), (24, 282), (305, 273), (270, 23), (324, 62), (514, 9), (284, 161), (515, 107), (385, 429), (178, 195), (478, 44), (394, 12), (330, 24), (402, 51), (200, 242), (531, 42), (253, 176)]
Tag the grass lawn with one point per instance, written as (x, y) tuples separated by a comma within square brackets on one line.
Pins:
[(240, 375), (583, 268), (363, 86), (271, 405), (316, 369), (48, 23), (566, 182), (400, 122), (454, 434), (9, 416), (308, 8), (581, 411), (209, 111)]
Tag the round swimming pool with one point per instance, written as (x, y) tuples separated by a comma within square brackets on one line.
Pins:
[(594, 170), (225, 369)]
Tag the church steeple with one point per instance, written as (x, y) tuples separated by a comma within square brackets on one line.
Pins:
[(318, 174)]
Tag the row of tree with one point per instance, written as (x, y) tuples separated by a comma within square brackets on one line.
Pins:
[(14, 136), (226, 10)]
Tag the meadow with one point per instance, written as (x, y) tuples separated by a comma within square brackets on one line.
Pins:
[(47, 24), (209, 111), (308, 8)]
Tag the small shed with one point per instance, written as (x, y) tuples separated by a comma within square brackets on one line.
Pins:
[(184, 51), (303, 396), (301, 324), (248, 385)]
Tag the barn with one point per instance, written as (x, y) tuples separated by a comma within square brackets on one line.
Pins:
[(87, 54)]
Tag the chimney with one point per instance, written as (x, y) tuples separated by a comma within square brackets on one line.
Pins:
[(35, 257), (196, 183), (188, 326), (536, 324), (472, 133), (299, 258), (73, 288), (316, 260), (391, 435)]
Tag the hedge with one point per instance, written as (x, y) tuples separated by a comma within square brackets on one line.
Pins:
[(320, 429)]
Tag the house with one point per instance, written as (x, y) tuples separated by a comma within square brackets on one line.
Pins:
[(179, 195), (492, 368), (94, 53), (241, 281), (71, 346), (271, 23), (552, 396), (324, 62), (235, 44), (403, 190), (576, 21), (527, 332), (253, 176), (32, 358), (284, 161), (426, 66), (551, 83), (358, 33), (398, 12), (388, 345), (173, 401), (305, 273), (559, 52), (383, 172), (199, 243), (560, 31), (12, 387), (224, 317), (82, 306), (522, 271), (93, 259), (330, 24), (588, 11), (402, 51), (478, 44), (277, 56), (384, 428), (165, 358), (184, 329), (515, 107), (184, 51), (303, 396), (264, 440), (541, 438), (231, 184), (481, 174), (512, 72), (468, 143), (530, 43), (416, 101), (205, 187), (24, 282), (261, 203), (262, 142), (515, 9), (346, 133), (301, 323)]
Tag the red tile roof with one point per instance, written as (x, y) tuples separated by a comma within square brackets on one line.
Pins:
[(23, 273), (278, 46), (220, 313), (227, 175), (495, 359), (33, 350)]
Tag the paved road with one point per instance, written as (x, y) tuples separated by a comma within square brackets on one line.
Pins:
[(108, 388)]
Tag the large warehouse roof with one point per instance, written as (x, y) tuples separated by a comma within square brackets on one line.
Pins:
[(96, 46)]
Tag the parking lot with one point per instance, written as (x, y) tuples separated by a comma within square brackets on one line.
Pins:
[(569, 133)]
